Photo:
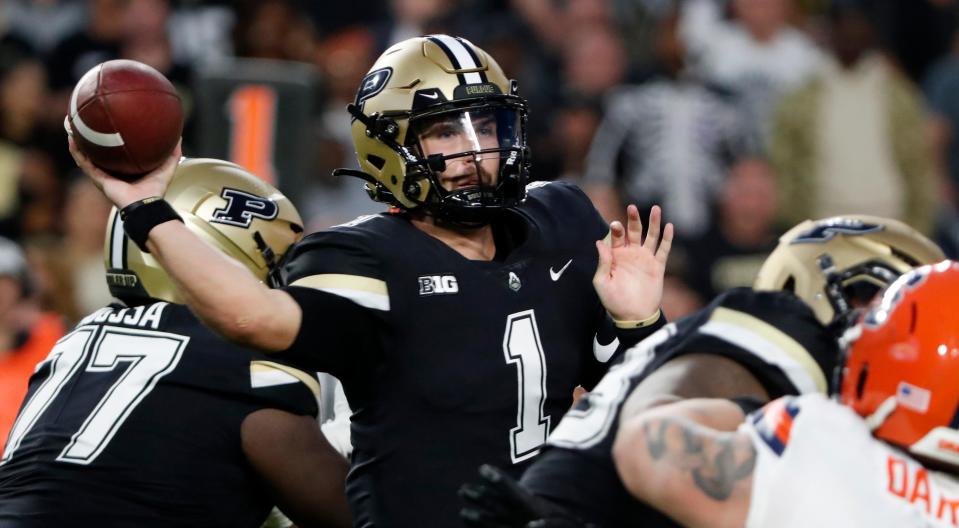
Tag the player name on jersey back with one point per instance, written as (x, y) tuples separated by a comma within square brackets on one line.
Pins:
[(139, 316), (932, 493)]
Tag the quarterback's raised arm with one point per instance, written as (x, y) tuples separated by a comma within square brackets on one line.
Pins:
[(225, 295), (699, 476)]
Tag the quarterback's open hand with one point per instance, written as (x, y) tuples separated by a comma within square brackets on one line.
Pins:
[(629, 276), (123, 193), (498, 501)]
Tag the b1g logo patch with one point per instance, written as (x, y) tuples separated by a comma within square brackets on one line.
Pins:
[(438, 285), (827, 230), (372, 84), (242, 207)]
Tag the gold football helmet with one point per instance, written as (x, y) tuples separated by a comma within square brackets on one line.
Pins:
[(438, 110), (223, 204), (837, 264)]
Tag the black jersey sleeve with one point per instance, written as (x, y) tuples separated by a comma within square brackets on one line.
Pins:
[(276, 385), (773, 334), (336, 278), (336, 335)]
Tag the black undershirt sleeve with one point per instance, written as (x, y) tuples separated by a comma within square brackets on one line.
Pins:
[(336, 335)]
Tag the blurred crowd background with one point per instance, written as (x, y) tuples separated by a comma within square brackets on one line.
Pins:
[(740, 117)]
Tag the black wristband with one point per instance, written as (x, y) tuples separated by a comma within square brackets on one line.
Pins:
[(140, 217)]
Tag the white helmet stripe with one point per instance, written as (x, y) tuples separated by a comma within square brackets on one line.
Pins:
[(118, 244), (97, 138), (462, 56)]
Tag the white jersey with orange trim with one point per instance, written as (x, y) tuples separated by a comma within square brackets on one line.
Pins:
[(817, 464)]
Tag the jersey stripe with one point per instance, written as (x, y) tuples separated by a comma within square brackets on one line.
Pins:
[(364, 291), (461, 58), (270, 374), (769, 343)]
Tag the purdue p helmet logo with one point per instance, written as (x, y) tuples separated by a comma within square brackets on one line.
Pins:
[(242, 207)]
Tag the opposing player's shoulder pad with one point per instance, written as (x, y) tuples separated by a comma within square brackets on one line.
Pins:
[(286, 387), (564, 206), (773, 423)]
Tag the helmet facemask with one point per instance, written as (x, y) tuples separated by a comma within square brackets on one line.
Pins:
[(853, 288), (474, 157)]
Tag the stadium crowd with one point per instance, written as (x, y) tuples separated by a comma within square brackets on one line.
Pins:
[(741, 118)]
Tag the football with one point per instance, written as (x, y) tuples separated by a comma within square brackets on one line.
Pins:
[(126, 117)]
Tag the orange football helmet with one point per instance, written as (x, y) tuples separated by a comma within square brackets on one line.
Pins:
[(901, 366)]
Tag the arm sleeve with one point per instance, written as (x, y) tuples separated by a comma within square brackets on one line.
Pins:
[(336, 279), (336, 334), (610, 344), (628, 337)]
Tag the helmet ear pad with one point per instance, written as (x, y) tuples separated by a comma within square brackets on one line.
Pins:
[(225, 205)]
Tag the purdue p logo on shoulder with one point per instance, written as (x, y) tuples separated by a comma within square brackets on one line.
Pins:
[(438, 285), (242, 207)]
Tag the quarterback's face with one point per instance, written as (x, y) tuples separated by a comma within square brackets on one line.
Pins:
[(463, 133)]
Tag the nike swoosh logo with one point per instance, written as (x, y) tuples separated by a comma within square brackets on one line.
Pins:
[(433, 95), (604, 352), (555, 275)]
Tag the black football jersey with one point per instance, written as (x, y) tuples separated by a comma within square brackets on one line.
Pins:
[(456, 362), (134, 420), (773, 334)]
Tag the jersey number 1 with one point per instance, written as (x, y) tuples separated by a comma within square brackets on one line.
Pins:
[(148, 356), (522, 347)]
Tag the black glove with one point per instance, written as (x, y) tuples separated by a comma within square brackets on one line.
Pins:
[(498, 501)]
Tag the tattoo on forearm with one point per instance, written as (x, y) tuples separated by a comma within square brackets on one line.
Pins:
[(715, 462)]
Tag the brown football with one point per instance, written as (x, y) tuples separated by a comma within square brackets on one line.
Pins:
[(126, 117)]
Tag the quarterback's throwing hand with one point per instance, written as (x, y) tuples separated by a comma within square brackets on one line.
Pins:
[(123, 193), (629, 276)]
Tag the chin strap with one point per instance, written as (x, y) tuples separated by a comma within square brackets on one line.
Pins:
[(272, 266)]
